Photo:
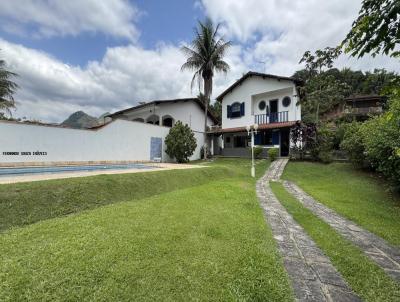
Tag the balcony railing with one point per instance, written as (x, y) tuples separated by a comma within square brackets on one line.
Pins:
[(274, 117)]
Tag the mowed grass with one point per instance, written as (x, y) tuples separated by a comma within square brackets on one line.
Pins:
[(365, 278), (205, 242), (26, 203), (359, 196)]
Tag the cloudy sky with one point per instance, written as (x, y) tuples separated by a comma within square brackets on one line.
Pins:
[(101, 56)]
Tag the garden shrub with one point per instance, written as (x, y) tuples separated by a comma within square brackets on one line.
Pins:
[(180, 142), (257, 152), (202, 152), (304, 138), (352, 143), (323, 148), (273, 153), (381, 139), (376, 142)]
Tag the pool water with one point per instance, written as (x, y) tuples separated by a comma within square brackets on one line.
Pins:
[(62, 169)]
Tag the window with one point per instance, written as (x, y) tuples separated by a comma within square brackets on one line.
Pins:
[(240, 141), (263, 138), (227, 139), (235, 110), (286, 101), (262, 105)]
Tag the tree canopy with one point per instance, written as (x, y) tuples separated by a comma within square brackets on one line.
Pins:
[(180, 142), (356, 82), (205, 56), (376, 30)]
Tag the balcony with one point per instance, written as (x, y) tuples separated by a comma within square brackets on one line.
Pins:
[(274, 117)]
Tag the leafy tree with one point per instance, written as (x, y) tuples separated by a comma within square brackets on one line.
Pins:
[(216, 110), (381, 140), (180, 142), (7, 88), (205, 57), (379, 81), (321, 90), (376, 30)]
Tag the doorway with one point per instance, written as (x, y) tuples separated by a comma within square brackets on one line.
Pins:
[(285, 142), (273, 111)]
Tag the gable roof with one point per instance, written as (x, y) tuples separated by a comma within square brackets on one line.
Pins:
[(257, 74), (156, 102)]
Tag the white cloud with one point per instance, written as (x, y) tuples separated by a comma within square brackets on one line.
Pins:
[(41, 18), (278, 32), (51, 90), (271, 35)]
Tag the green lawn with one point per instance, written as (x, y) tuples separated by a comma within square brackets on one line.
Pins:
[(196, 239), (366, 279), (26, 203), (359, 196)]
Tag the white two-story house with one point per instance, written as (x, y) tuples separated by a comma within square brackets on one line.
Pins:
[(269, 101)]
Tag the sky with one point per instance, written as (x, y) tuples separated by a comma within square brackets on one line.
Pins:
[(103, 56)]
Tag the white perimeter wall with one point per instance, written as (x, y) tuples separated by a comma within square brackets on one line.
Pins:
[(118, 141)]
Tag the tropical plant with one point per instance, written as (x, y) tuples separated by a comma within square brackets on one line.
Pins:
[(321, 90), (7, 88), (215, 108), (353, 144), (376, 30), (258, 150), (273, 153), (205, 57), (180, 142), (381, 140), (304, 138)]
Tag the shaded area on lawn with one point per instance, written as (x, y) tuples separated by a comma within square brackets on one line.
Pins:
[(206, 242), (365, 277), (358, 196)]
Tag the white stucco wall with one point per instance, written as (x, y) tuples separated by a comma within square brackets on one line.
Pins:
[(118, 141), (252, 91), (187, 112)]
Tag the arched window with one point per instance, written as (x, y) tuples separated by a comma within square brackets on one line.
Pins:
[(167, 121)]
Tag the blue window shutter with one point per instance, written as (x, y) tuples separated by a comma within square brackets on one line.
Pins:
[(228, 111), (242, 109), (275, 137), (257, 139)]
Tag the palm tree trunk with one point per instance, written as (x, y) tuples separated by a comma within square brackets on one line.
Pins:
[(207, 92)]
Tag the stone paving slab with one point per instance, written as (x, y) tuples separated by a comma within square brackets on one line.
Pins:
[(381, 252), (313, 276)]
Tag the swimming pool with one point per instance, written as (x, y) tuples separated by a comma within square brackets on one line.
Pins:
[(63, 169)]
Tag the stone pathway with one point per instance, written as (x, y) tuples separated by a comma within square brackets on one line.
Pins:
[(381, 252), (275, 170), (313, 276)]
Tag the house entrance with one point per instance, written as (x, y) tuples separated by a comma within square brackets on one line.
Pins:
[(285, 142)]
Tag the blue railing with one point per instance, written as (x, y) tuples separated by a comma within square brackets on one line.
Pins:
[(274, 117)]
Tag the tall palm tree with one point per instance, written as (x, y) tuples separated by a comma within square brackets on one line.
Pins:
[(7, 88), (204, 57)]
